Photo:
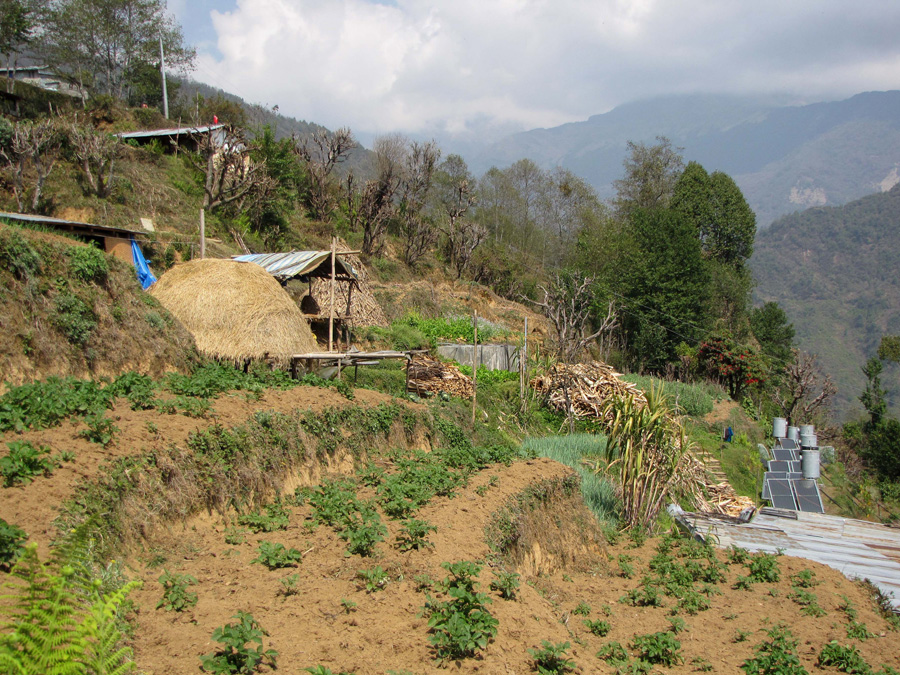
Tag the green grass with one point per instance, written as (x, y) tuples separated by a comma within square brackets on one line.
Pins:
[(740, 460), (694, 400), (598, 493)]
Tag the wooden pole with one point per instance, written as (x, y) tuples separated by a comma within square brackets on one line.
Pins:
[(474, 361), (523, 355), (331, 305), (202, 233)]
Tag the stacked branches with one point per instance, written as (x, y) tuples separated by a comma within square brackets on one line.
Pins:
[(428, 376), (588, 386)]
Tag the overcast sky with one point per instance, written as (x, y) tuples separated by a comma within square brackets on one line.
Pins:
[(482, 67)]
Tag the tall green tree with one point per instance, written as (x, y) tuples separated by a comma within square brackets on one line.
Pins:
[(663, 285), (772, 330), (732, 230), (99, 45), (651, 173)]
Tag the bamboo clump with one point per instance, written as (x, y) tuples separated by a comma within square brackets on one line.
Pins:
[(428, 377)]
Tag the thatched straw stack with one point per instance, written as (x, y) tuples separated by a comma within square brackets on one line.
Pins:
[(235, 311)]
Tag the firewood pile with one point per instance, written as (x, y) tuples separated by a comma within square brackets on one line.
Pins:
[(428, 377), (721, 498), (588, 386)]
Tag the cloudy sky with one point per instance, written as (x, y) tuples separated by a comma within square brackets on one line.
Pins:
[(479, 68)]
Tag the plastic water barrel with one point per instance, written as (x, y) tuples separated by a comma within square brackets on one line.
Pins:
[(807, 429), (794, 434), (809, 463), (779, 427), (809, 441)]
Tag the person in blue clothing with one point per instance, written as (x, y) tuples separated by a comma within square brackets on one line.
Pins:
[(729, 434)]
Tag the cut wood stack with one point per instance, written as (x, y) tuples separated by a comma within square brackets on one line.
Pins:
[(721, 498), (428, 376), (588, 386)]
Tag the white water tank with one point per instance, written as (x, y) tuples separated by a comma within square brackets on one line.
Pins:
[(794, 434), (807, 429), (779, 427), (809, 463), (808, 441)]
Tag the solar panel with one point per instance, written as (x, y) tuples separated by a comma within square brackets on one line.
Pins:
[(795, 466), (808, 497), (779, 465), (784, 455), (782, 502)]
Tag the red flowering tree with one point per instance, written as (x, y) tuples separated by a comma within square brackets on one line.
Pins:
[(737, 366)]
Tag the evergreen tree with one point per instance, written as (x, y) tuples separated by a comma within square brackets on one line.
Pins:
[(664, 282)]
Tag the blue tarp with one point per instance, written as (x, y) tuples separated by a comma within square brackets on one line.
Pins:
[(144, 275)]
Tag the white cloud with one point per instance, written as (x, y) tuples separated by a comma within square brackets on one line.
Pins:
[(463, 65)]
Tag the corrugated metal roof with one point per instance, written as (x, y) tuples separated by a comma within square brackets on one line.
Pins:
[(46, 220), (284, 266), (169, 132), (857, 548)]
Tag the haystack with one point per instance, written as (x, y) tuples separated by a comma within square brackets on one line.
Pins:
[(235, 311)]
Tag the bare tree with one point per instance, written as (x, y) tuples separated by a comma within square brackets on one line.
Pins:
[(96, 152), (224, 159), (320, 153), (463, 237), (31, 154), (372, 207), (567, 303), (416, 227), (804, 389)]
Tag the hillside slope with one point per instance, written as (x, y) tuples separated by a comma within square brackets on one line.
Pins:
[(784, 158), (67, 309), (834, 270)]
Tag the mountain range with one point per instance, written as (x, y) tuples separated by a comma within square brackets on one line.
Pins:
[(785, 158), (834, 271)]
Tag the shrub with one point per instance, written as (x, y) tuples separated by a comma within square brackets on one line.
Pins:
[(600, 628), (12, 539), (505, 583), (41, 405), (374, 579), (100, 429), (275, 556), (462, 625), (660, 648), (414, 534), (73, 318), (775, 656), (845, 659), (552, 659), (24, 462), (176, 597), (764, 568), (88, 264), (236, 656)]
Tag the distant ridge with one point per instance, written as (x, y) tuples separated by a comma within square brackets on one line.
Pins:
[(834, 271), (784, 157)]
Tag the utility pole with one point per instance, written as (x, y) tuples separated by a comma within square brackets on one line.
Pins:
[(162, 72)]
